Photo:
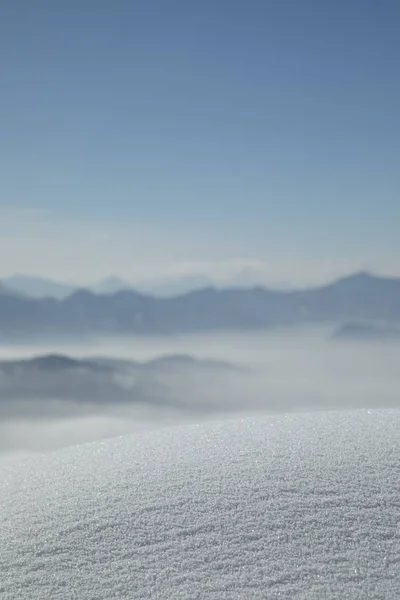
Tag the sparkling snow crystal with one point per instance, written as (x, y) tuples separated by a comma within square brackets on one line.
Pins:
[(301, 506)]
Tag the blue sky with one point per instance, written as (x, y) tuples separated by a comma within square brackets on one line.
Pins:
[(177, 136)]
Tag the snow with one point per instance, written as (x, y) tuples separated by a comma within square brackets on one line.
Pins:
[(303, 506)]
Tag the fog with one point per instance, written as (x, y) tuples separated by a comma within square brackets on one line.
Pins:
[(294, 370)]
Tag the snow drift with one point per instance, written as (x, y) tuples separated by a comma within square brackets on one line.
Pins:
[(299, 506)]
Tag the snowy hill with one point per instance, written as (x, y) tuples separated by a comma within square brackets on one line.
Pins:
[(301, 506)]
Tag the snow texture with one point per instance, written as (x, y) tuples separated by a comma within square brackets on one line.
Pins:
[(301, 506)]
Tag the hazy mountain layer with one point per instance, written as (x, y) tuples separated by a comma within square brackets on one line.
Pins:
[(103, 381), (84, 313), (372, 332)]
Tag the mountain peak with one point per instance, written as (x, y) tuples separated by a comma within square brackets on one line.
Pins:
[(111, 284), (362, 279), (360, 276)]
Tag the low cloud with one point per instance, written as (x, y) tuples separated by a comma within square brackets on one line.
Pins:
[(296, 371)]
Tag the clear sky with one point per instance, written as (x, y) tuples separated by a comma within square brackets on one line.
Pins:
[(157, 136)]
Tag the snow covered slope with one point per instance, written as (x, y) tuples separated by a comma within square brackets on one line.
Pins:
[(300, 507)]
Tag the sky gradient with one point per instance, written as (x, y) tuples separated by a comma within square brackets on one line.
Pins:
[(149, 138)]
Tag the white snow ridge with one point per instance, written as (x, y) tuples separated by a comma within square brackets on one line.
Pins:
[(300, 506)]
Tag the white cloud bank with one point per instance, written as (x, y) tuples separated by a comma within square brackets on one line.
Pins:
[(284, 373)]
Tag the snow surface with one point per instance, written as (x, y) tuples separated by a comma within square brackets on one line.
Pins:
[(301, 506)]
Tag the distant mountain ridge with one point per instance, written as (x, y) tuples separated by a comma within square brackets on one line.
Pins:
[(43, 287), (63, 362), (97, 381), (167, 287), (367, 332), (361, 296)]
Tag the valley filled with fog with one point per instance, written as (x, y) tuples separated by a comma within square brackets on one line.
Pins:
[(114, 386)]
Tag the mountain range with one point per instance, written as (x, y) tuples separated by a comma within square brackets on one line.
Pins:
[(362, 296), (42, 287)]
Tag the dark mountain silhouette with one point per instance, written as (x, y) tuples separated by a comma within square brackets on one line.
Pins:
[(362, 296), (367, 332), (97, 381)]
